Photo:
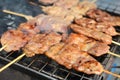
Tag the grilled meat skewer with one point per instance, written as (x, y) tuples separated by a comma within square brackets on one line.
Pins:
[(90, 45), (92, 33), (41, 43), (102, 16), (14, 39), (100, 26), (71, 57)]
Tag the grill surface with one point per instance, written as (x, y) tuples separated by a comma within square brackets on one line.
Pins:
[(41, 65)]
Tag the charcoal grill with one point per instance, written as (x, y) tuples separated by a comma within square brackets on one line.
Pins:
[(40, 65)]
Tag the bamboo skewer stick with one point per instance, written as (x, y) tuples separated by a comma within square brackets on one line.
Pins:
[(108, 72), (116, 43), (18, 14), (3, 47), (12, 62), (114, 54)]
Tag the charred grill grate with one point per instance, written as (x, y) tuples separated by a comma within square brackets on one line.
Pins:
[(43, 66)]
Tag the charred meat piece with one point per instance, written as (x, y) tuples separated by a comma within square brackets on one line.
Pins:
[(71, 57), (116, 21), (57, 11), (100, 26), (14, 39), (98, 49), (33, 45), (90, 45), (41, 43), (98, 15), (106, 28), (87, 64), (92, 33), (77, 10), (53, 51), (28, 29), (46, 23), (86, 22)]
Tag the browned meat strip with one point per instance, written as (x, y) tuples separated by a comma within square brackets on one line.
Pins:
[(106, 28), (102, 16), (76, 10), (89, 45), (70, 56), (33, 45), (87, 64), (116, 20), (46, 23), (40, 43), (14, 39), (100, 26), (53, 51), (92, 33), (28, 29), (98, 15)]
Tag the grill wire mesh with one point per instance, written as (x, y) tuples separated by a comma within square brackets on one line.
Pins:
[(43, 66)]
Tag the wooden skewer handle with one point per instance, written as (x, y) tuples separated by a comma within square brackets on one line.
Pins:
[(12, 62), (114, 54), (3, 47), (116, 43), (108, 72), (18, 14)]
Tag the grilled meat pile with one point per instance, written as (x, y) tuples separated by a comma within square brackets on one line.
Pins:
[(42, 35)]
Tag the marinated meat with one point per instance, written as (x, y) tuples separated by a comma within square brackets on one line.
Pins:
[(53, 51), (92, 33), (46, 23), (28, 29), (14, 39), (89, 45), (40, 43), (75, 11), (100, 26), (72, 57), (102, 16), (32, 47)]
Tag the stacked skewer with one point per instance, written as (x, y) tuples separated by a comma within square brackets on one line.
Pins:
[(71, 53)]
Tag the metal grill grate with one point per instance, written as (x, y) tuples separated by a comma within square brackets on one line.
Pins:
[(43, 66)]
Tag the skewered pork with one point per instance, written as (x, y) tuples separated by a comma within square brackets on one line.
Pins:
[(28, 29), (100, 26), (98, 15), (41, 43), (71, 57), (92, 33), (46, 23), (90, 45), (14, 39), (75, 11), (102, 16)]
